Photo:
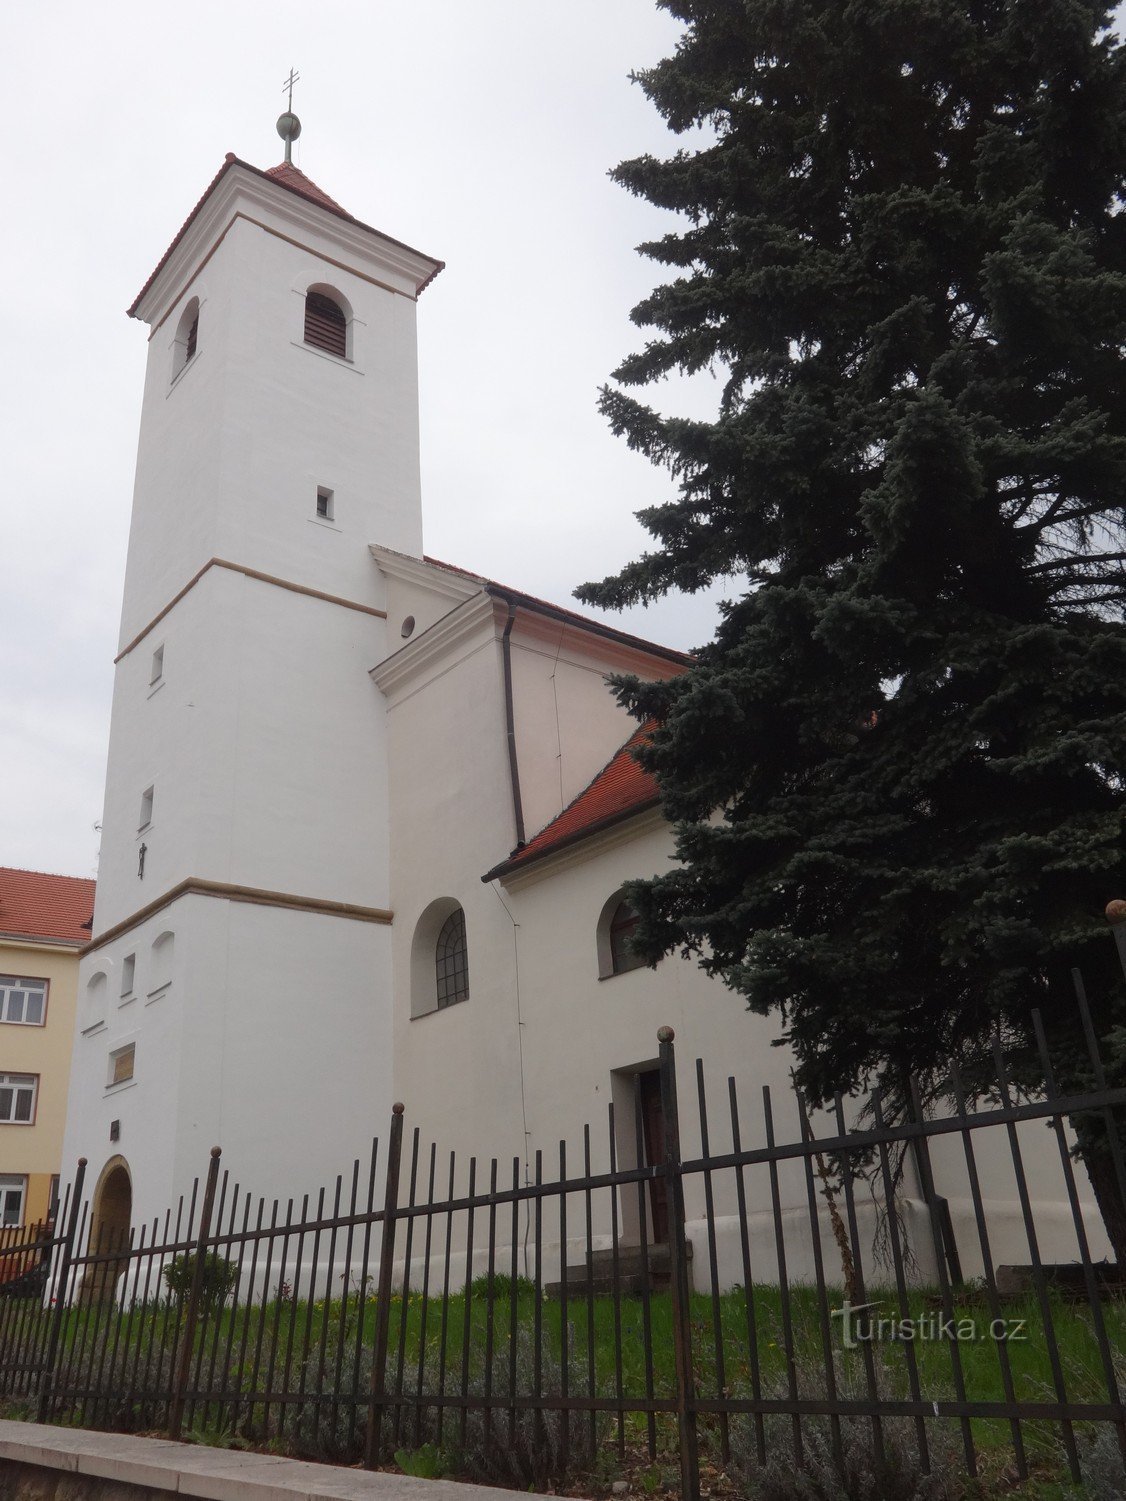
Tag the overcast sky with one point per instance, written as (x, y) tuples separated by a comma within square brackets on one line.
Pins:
[(481, 133)]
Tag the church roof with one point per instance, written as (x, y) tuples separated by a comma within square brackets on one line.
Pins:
[(287, 176), (621, 789), (561, 613), (54, 909), (293, 178)]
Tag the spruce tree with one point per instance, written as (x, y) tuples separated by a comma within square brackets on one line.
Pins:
[(896, 775)]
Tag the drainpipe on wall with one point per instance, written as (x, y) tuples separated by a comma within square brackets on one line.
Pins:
[(510, 723)]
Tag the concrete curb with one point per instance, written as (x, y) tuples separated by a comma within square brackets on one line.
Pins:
[(158, 1465)]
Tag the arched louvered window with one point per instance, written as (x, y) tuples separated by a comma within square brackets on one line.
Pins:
[(622, 927), (326, 325), (451, 961), (186, 342)]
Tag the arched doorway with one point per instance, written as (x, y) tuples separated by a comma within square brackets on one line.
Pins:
[(109, 1229)]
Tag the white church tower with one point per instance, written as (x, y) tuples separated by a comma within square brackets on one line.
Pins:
[(243, 883)]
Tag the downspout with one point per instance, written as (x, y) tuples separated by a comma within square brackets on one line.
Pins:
[(510, 724), (518, 814)]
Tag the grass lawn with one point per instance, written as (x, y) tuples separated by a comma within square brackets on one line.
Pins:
[(117, 1369)]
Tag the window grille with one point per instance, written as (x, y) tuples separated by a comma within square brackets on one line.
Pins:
[(451, 959), (622, 927)]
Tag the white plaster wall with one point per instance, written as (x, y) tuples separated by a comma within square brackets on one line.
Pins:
[(264, 713), (290, 1060), (231, 454), (563, 1001), (146, 1106), (265, 740), (273, 1041), (451, 803), (568, 725)]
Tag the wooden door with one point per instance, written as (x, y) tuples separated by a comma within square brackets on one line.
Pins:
[(653, 1128)]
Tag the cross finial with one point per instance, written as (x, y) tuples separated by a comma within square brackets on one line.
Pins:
[(289, 126)]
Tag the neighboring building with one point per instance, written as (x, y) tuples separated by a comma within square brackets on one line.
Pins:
[(368, 816), (44, 921)]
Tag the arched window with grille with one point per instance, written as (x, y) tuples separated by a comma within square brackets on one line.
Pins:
[(623, 924), (326, 323), (617, 924), (451, 961)]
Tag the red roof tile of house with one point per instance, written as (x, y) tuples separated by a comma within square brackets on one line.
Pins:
[(53, 909), (288, 176), (620, 790)]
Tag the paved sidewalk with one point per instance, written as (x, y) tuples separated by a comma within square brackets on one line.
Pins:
[(157, 1464)]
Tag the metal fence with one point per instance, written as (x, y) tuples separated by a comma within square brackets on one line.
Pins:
[(526, 1320)]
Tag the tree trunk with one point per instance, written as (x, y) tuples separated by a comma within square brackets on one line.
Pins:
[(1098, 1161)]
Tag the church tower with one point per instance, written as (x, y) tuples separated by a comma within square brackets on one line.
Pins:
[(237, 986)]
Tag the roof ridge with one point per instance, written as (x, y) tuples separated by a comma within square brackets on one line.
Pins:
[(311, 194), (52, 875)]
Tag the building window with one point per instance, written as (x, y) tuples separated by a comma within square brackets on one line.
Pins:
[(161, 964), (146, 809), (451, 961), (157, 666), (23, 1001), (326, 510), (13, 1196), (96, 988), (622, 927), (326, 324), (186, 341), (17, 1098), (128, 973), (121, 1065)]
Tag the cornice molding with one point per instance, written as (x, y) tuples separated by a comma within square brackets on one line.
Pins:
[(254, 895), (250, 573), (432, 647), (241, 191), (424, 575), (40, 945)]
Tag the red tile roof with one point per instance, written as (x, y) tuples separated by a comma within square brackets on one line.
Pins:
[(620, 790), (55, 909), (293, 178), (288, 176)]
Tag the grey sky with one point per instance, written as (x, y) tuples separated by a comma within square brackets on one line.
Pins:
[(480, 133)]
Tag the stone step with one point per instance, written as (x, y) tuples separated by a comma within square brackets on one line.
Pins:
[(595, 1274), (629, 1285)]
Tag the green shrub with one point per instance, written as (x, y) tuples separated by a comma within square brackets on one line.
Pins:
[(427, 1463), (502, 1285), (218, 1278)]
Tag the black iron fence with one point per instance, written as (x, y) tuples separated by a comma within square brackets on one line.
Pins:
[(922, 1288)]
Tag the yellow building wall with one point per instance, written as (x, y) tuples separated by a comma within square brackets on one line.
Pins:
[(35, 1151)]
